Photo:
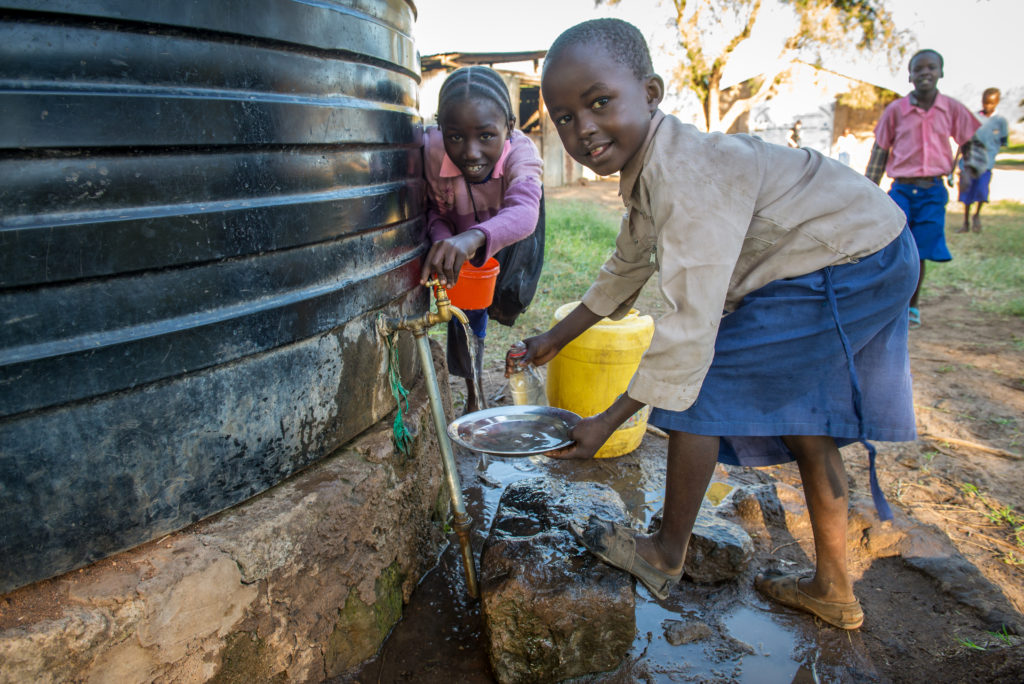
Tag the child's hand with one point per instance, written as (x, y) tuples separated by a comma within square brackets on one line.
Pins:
[(446, 257), (589, 435), (539, 350)]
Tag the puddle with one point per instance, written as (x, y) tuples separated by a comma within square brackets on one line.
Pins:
[(746, 646), (441, 637)]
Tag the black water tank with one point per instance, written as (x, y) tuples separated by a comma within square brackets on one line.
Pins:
[(204, 205)]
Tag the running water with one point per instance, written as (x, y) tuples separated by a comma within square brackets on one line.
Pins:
[(475, 364)]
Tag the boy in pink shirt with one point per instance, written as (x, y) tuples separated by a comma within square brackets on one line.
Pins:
[(912, 147)]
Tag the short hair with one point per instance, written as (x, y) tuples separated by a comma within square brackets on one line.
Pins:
[(927, 51), (991, 91), (621, 40), (472, 82)]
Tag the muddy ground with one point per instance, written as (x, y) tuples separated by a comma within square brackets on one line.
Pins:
[(950, 610)]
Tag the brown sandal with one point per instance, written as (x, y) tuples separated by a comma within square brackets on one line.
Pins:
[(785, 589), (616, 546)]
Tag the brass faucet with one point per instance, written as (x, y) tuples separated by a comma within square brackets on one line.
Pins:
[(418, 325)]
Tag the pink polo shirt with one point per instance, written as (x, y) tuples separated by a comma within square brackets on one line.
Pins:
[(918, 139)]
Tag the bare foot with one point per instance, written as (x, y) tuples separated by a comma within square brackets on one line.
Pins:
[(976, 224), (964, 228)]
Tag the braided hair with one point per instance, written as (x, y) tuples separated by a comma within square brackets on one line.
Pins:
[(623, 42), (475, 82)]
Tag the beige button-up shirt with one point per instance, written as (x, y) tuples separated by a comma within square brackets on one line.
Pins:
[(718, 216)]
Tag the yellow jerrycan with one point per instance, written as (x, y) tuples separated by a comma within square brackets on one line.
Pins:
[(595, 368)]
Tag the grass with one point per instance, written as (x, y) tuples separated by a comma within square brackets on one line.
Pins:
[(1004, 160), (988, 267), (1005, 519)]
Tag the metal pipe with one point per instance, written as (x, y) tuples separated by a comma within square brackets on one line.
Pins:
[(462, 520), (418, 326)]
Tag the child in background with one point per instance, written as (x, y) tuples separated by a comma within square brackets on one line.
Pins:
[(483, 193), (912, 147), (844, 146), (993, 134), (811, 264)]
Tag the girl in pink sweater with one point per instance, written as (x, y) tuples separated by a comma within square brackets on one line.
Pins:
[(483, 193)]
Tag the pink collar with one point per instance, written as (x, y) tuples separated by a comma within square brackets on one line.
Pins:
[(449, 169)]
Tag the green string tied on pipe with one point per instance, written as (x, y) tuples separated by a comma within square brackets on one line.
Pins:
[(400, 434)]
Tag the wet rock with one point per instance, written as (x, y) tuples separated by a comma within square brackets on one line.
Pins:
[(552, 610), (719, 549), (765, 505), (679, 632)]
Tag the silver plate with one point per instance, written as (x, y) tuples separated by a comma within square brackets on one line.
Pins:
[(514, 430)]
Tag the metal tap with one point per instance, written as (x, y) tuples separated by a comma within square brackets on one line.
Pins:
[(418, 325)]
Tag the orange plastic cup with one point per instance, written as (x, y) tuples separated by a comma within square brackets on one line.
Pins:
[(475, 289)]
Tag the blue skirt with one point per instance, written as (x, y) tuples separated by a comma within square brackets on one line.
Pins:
[(976, 190), (819, 354)]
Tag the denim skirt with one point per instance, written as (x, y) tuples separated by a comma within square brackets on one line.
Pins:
[(820, 354)]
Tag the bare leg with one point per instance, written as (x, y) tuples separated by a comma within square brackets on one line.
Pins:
[(691, 463), (977, 218), (917, 291), (824, 481), (967, 219)]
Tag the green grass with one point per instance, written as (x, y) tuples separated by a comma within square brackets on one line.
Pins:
[(987, 267), (1004, 160)]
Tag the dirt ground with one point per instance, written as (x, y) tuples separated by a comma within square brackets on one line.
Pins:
[(964, 476)]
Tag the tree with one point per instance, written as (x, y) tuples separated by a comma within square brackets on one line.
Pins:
[(708, 33)]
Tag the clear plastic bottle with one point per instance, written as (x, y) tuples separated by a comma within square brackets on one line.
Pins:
[(525, 382)]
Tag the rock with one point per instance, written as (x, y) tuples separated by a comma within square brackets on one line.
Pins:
[(551, 609), (678, 632), (719, 549)]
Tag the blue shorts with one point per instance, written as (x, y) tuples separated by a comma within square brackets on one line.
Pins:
[(781, 366), (977, 190), (926, 215)]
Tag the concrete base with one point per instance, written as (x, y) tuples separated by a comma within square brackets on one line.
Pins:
[(301, 583)]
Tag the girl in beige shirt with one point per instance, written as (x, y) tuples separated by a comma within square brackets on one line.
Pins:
[(787, 277)]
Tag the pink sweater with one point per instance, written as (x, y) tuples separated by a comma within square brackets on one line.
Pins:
[(507, 204)]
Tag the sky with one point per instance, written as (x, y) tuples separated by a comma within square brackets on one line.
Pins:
[(974, 36)]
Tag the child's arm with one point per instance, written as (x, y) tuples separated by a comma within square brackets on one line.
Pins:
[(542, 348), (876, 164), (520, 203), (446, 256), (885, 135), (591, 433)]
